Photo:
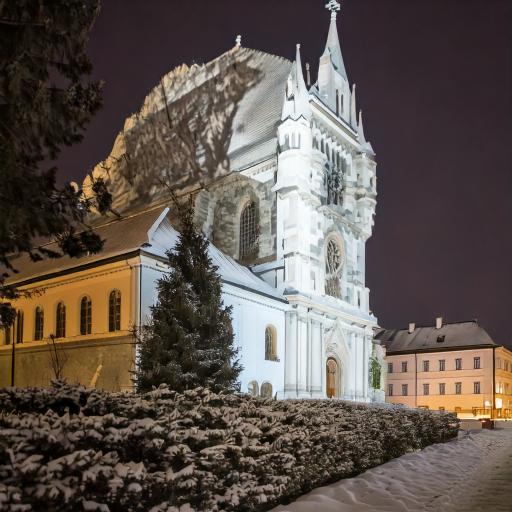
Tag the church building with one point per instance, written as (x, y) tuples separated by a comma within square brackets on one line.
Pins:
[(284, 186)]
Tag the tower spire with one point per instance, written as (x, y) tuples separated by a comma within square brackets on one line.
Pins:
[(333, 41), (366, 147), (301, 85)]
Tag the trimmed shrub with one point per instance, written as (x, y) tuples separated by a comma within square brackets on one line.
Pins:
[(68, 448)]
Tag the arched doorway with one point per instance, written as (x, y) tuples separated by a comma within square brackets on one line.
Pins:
[(333, 378)]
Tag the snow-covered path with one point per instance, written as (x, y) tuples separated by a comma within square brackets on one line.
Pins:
[(470, 474)]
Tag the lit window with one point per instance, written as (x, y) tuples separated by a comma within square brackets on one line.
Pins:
[(405, 389), (390, 389), (458, 388), (270, 344), (442, 388), (114, 311), (248, 231), (426, 389), (426, 366), (404, 366), (19, 326), (85, 316), (442, 365), (38, 323), (60, 324), (390, 367), (476, 363), (458, 363), (266, 390), (476, 388)]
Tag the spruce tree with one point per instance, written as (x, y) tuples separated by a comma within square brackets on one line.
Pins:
[(189, 339)]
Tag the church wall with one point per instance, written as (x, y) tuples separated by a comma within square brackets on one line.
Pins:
[(251, 315), (102, 358)]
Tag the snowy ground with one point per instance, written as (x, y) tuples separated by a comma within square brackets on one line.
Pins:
[(471, 474)]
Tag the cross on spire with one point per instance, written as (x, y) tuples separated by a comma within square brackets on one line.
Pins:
[(333, 6)]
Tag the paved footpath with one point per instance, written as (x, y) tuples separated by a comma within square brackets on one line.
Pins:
[(470, 474)]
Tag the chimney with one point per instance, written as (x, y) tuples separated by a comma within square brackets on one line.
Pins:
[(439, 322), (412, 326)]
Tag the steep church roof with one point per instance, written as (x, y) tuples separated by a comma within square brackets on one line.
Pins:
[(238, 100)]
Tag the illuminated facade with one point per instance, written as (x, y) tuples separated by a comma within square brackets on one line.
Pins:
[(449, 367)]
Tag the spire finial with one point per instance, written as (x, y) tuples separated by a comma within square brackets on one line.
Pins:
[(238, 41), (333, 6)]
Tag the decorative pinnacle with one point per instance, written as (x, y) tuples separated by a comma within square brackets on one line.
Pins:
[(333, 6), (238, 41)]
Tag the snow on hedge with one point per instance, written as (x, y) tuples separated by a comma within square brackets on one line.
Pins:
[(68, 448)]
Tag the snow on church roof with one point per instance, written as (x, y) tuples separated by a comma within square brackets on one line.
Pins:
[(234, 102), (150, 231)]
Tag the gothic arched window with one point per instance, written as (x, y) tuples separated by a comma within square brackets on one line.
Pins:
[(19, 326), (270, 343), (333, 264), (266, 390), (60, 321), (248, 231), (38, 323), (85, 316), (114, 311)]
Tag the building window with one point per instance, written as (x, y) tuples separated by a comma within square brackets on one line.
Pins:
[(426, 389), (505, 366), (7, 334), (114, 311), (442, 365), (337, 102), (390, 389), (498, 363), (390, 367), (60, 323), (85, 316), (19, 326), (266, 390), (476, 363), (441, 409), (426, 366), (476, 388), (334, 258), (404, 366), (442, 388), (270, 344), (458, 363), (458, 388), (38, 323), (253, 388), (405, 389), (458, 409), (248, 231)]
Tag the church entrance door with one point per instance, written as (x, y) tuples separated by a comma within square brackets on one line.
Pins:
[(333, 378)]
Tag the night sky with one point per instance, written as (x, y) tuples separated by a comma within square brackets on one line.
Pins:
[(434, 80)]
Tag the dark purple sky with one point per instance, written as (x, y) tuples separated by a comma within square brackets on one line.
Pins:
[(434, 81)]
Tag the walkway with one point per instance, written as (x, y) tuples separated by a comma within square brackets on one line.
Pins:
[(471, 474)]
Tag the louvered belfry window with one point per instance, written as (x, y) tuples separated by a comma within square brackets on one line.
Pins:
[(248, 231), (114, 311)]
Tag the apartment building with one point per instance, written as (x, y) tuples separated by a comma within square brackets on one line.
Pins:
[(454, 367)]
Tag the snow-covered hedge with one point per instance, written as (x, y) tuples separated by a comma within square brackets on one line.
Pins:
[(68, 448)]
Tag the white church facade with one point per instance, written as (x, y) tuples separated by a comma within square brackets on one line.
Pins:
[(287, 212)]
